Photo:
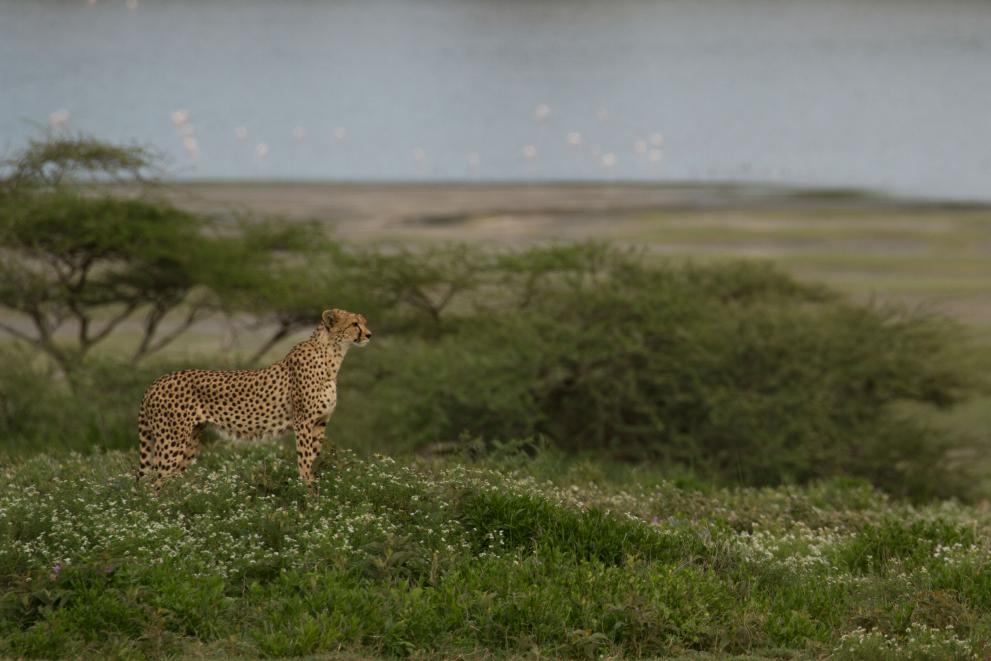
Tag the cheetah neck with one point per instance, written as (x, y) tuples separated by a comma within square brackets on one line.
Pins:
[(335, 347)]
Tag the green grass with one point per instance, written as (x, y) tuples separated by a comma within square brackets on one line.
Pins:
[(506, 557)]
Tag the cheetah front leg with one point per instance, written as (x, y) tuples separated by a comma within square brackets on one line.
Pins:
[(309, 440)]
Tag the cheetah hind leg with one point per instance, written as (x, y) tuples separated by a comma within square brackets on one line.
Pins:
[(147, 445), (182, 446)]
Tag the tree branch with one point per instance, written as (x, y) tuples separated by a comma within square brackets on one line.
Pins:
[(113, 323), (85, 342), (19, 334), (44, 332), (155, 316), (45, 342), (148, 347), (285, 327)]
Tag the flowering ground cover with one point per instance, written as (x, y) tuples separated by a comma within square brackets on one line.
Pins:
[(493, 558)]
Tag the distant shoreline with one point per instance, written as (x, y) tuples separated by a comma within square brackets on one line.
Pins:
[(718, 188), (368, 199)]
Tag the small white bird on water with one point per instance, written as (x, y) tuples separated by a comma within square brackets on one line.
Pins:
[(191, 146), (180, 117), (59, 120)]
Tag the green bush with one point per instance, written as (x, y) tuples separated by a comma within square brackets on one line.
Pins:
[(735, 371), (39, 412)]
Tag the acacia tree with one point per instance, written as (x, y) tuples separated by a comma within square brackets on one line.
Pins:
[(94, 262), (423, 285), (76, 257), (401, 291), (412, 292), (304, 282), (298, 273), (61, 162)]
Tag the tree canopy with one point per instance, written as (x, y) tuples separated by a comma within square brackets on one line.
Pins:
[(76, 256)]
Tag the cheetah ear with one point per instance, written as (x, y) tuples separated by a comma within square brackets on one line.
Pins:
[(329, 318)]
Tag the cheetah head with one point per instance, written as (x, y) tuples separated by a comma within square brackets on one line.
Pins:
[(347, 326)]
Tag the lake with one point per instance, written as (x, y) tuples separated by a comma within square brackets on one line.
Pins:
[(884, 94)]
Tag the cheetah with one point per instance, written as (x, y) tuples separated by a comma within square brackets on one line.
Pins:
[(298, 393)]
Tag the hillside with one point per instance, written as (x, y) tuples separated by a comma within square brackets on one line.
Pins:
[(511, 555)]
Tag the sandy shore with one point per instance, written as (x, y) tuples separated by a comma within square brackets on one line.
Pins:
[(392, 205)]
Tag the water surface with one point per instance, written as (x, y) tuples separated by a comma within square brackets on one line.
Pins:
[(892, 95)]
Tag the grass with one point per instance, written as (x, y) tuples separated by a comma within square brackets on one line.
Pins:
[(508, 556)]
